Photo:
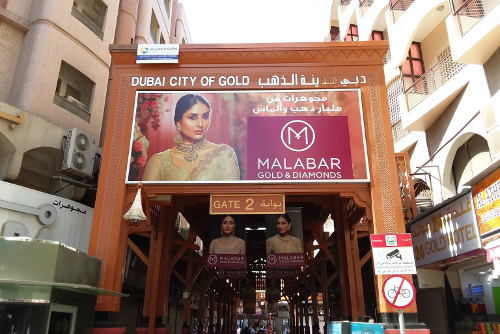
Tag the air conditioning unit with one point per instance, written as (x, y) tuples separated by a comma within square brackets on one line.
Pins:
[(79, 154), (75, 101)]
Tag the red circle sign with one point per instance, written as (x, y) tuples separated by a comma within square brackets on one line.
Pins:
[(398, 291)]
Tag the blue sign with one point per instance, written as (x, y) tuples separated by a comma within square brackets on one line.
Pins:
[(366, 328)]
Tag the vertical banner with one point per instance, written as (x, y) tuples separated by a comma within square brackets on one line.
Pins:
[(228, 246), (284, 240)]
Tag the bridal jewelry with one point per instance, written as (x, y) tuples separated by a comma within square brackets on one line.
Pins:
[(190, 151), (285, 240), (178, 137), (227, 240)]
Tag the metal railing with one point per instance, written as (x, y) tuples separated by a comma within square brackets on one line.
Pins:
[(430, 81), (398, 8), (365, 5), (387, 57), (473, 11)]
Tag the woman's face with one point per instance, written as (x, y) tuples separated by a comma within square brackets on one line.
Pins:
[(282, 225), (194, 123), (228, 225)]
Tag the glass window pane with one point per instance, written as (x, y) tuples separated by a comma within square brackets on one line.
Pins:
[(415, 50), (406, 68)]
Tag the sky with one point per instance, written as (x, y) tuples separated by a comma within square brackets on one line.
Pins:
[(257, 21)]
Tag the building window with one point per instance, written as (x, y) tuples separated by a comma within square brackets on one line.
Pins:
[(413, 67), (154, 28), (352, 33), (74, 91), (377, 36), (92, 13), (334, 33), (167, 6)]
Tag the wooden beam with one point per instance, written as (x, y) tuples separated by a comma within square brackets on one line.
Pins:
[(139, 253)]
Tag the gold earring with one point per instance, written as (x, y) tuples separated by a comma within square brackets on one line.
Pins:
[(178, 137)]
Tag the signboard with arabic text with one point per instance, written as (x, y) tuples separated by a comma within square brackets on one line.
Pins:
[(446, 233), (248, 136), (393, 254), (254, 204), (486, 195)]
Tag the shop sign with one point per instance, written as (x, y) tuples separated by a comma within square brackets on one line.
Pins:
[(157, 54), (486, 195), (446, 233), (254, 204), (393, 254), (248, 136)]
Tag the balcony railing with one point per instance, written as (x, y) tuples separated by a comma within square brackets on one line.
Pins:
[(431, 80), (399, 7), (365, 5), (473, 11)]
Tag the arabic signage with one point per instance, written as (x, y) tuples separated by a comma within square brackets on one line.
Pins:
[(157, 54), (486, 195), (393, 254), (252, 136), (447, 232), (247, 204)]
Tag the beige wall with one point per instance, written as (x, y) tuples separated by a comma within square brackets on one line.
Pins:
[(433, 44)]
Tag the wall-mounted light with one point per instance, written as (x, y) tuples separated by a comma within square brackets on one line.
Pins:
[(440, 8)]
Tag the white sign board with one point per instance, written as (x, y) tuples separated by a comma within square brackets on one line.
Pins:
[(157, 53), (393, 254), (446, 233)]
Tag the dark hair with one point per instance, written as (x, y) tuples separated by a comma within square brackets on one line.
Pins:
[(187, 102), (224, 216), (286, 217)]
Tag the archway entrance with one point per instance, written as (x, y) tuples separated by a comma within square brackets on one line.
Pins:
[(361, 196)]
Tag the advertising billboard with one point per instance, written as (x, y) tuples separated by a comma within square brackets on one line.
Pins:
[(248, 136), (486, 195)]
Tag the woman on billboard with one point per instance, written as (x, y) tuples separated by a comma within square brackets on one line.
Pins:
[(228, 243), (283, 241), (193, 157)]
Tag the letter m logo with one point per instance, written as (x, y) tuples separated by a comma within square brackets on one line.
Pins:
[(298, 135)]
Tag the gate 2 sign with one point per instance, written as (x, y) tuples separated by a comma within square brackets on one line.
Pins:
[(398, 291)]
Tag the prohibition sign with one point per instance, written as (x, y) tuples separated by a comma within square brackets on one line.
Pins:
[(398, 291)]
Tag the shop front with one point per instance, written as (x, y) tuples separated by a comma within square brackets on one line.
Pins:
[(455, 247), (262, 170)]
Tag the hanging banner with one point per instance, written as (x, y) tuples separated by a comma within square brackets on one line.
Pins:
[(248, 136), (284, 240), (228, 246)]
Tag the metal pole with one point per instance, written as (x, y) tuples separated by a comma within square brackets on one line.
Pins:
[(401, 321)]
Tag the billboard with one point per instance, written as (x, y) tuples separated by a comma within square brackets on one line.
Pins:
[(272, 136), (486, 194)]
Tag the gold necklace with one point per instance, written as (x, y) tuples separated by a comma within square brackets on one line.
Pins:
[(190, 151)]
